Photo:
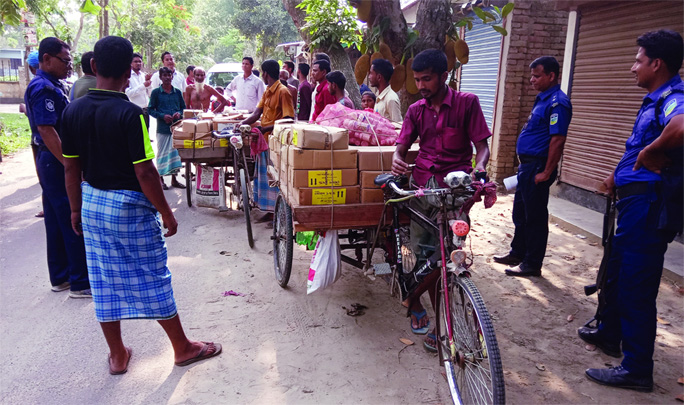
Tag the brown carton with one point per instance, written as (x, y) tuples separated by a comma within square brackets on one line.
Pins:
[(189, 125), (321, 178), (312, 136), (198, 142), (372, 195), (275, 158), (325, 195), (179, 134), (380, 157), (221, 123), (191, 113), (282, 130), (367, 178), (203, 126), (319, 159)]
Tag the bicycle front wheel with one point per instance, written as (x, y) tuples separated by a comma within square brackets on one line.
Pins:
[(472, 361)]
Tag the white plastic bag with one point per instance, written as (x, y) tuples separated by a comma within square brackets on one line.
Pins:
[(326, 263), (210, 189)]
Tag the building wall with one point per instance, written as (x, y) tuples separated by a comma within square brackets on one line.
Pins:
[(536, 29)]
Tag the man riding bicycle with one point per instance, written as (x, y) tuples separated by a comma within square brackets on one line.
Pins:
[(448, 123)]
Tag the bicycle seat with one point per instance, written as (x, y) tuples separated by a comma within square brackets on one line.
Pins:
[(382, 179)]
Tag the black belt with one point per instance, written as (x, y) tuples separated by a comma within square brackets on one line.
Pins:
[(524, 159), (636, 188)]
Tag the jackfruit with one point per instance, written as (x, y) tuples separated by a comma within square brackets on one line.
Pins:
[(362, 68), (398, 78)]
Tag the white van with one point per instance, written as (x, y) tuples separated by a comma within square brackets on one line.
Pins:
[(221, 74)]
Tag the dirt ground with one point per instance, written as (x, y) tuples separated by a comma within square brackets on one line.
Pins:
[(282, 346)]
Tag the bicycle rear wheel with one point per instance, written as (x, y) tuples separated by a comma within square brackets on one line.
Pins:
[(246, 206), (283, 240), (473, 364)]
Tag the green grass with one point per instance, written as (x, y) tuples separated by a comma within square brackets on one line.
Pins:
[(15, 133)]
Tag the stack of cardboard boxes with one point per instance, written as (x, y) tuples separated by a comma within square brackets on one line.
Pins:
[(316, 165), (193, 133)]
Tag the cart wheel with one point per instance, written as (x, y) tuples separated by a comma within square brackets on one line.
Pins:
[(283, 238), (188, 182), (245, 206)]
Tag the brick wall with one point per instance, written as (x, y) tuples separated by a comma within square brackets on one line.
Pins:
[(537, 29)]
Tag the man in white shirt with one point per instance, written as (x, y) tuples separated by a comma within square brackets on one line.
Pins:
[(246, 91), (387, 102), (138, 86), (178, 80)]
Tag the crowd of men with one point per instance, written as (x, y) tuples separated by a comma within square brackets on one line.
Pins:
[(102, 192)]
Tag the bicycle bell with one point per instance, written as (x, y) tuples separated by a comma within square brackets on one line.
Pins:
[(458, 179)]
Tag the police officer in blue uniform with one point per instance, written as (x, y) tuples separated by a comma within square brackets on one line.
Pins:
[(648, 185), (539, 148), (45, 100)]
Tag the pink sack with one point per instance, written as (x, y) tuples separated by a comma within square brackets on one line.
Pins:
[(365, 128)]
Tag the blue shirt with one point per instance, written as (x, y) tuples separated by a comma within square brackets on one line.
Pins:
[(646, 130), (550, 116), (45, 99), (163, 103)]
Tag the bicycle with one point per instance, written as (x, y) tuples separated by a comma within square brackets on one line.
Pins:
[(241, 187), (466, 342)]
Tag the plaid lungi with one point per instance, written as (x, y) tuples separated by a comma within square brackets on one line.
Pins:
[(126, 255), (168, 159), (264, 195)]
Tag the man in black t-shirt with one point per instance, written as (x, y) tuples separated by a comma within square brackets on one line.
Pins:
[(105, 142)]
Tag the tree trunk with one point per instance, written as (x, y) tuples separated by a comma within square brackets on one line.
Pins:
[(78, 33), (434, 19), (395, 35), (298, 15), (340, 61)]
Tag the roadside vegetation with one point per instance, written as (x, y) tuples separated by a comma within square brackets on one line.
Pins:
[(15, 133)]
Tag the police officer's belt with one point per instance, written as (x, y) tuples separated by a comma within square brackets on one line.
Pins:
[(638, 187), (524, 159)]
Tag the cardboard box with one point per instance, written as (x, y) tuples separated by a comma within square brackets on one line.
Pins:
[(297, 158), (325, 195), (282, 130), (372, 195), (208, 115), (191, 113), (201, 140), (179, 134), (367, 178), (204, 126), (375, 158), (221, 123), (275, 159), (188, 125), (311, 136), (321, 178)]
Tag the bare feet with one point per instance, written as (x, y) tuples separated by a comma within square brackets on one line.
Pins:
[(119, 364)]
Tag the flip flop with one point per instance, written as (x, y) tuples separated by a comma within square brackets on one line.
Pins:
[(109, 363), (429, 347), (202, 355), (419, 315)]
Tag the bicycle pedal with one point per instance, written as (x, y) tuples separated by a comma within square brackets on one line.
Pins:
[(382, 269)]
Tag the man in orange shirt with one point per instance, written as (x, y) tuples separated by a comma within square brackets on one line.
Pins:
[(275, 104)]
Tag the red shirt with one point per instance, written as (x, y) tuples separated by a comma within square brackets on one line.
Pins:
[(445, 137), (323, 98)]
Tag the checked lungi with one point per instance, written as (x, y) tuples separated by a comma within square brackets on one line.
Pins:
[(264, 195), (126, 254), (168, 159)]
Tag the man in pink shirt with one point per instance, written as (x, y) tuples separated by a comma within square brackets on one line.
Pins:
[(448, 124), (323, 97)]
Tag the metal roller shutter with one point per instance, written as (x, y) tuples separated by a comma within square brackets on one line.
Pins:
[(604, 95), (479, 76)]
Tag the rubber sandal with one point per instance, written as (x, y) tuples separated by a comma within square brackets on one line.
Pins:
[(419, 315), (109, 363), (202, 355), (429, 347)]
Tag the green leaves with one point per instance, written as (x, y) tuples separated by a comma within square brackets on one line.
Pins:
[(330, 23), (89, 7), (500, 30), (506, 10)]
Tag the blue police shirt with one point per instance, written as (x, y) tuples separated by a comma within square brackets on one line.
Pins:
[(45, 99), (550, 116), (646, 130)]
